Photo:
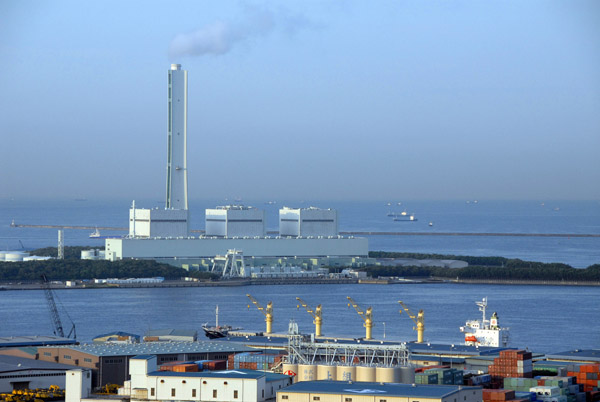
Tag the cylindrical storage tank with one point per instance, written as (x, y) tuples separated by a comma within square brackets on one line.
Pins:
[(387, 374), (291, 370), (346, 373), (326, 372), (88, 254), (365, 374), (15, 256), (307, 372), (407, 375)]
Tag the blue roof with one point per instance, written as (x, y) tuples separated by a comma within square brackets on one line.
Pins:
[(158, 348), (585, 355), (430, 348), (238, 373), (143, 357), (441, 359), (374, 388), (16, 341)]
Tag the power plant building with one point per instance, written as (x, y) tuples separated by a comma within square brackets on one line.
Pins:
[(173, 220), (235, 221), (306, 222), (146, 223), (163, 234)]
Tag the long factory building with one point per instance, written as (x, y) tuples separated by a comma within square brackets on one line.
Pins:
[(164, 233)]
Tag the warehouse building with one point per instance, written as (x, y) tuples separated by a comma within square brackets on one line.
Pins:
[(22, 373), (110, 362), (344, 391)]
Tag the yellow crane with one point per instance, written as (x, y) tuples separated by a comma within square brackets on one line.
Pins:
[(419, 320), (367, 317), (268, 312), (316, 314)]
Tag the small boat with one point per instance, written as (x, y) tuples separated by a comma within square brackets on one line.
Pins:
[(95, 234), (403, 218), (430, 223), (217, 331)]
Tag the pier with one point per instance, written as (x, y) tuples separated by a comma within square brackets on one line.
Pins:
[(343, 233)]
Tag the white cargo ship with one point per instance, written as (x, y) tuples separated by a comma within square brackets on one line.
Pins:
[(485, 332)]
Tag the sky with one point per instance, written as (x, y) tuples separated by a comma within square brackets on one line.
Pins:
[(339, 100)]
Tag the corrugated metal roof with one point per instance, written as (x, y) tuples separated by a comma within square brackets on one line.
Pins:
[(430, 348), (14, 363), (374, 388), (577, 355), (212, 374), (16, 341), (171, 332), (159, 348)]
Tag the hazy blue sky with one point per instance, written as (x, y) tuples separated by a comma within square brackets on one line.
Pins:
[(387, 100)]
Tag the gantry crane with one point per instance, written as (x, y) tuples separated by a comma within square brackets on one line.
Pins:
[(419, 320), (316, 314), (268, 312), (367, 317)]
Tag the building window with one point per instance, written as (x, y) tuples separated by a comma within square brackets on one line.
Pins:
[(172, 391), (214, 393), (193, 393), (85, 359), (47, 354), (67, 357), (382, 400), (235, 394), (348, 400), (263, 393), (284, 397), (151, 391), (316, 398)]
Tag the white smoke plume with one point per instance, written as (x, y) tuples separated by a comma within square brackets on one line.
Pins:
[(220, 37)]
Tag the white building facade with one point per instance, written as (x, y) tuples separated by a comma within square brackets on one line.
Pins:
[(235, 220), (216, 386), (305, 222), (207, 247)]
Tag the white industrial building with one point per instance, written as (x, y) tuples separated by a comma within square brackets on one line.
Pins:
[(304, 222), (164, 233), (148, 384), (203, 247), (235, 220), (145, 223)]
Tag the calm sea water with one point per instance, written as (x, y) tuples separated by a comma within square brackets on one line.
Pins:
[(543, 318), (546, 319), (447, 216)]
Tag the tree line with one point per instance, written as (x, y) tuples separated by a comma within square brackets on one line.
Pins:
[(73, 268), (485, 268)]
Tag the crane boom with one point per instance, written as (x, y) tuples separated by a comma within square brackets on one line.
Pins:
[(366, 316), (268, 312), (419, 321), (56, 322), (316, 314)]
